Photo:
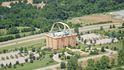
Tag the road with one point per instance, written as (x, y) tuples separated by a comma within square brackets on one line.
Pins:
[(40, 36), (109, 54)]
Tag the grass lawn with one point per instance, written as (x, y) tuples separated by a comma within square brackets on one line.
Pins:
[(37, 43), (94, 18), (111, 45), (36, 64), (107, 30), (118, 68), (3, 32)]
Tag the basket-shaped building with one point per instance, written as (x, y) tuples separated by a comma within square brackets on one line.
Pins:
[(61, 37)]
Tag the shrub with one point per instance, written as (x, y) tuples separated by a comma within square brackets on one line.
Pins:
[(26, 60), (63, 65), (101, 27), (31, 61), (13, 30), (11, 56), (7, 57), (28, 29), (14, 65), (102, 49), (10, 65), (5, 51), (17, 62), (123, 25), (119, 68), (33, 49), (67, 57), (51, 55), (22, 64), (115, 48), (6, 38), (2, 58), (17, 36), (1, 65), (94, 52)]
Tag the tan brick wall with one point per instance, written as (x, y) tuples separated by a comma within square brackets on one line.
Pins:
[(60, 42)]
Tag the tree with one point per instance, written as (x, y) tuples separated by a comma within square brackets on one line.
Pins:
[(119, 1), (89, 46), (5, 51), (10, 65), (103, 63), (31, 61), (77, 54), (22, 64), (121, 54), (26, 60), (25, 1), (85, 41), (76, 29), (14, 65), (102, 49), (72, 63), (113, 62), (98, 65), (1, 65), (31, 55), (94, 51), (17, 36), (33, 49), (110, 27), (123, 24), (101, 27), (63, 65), (13, 30), (91, 65), (113, 26), (17, 62), (21, 49)]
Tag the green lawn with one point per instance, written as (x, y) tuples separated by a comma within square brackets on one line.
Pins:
[(45, 61), (111, 45), (37, 43), (36, 64), (107, 30), (3, 32), (118, 68)]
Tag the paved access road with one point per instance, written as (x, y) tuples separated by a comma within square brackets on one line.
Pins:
[(40, 36)]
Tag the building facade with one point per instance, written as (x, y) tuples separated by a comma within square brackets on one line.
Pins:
[(56, 40)]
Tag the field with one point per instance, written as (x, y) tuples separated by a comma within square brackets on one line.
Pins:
[(94, 19), (17, 32), (46, 60), (36, 64), (3, 32), (118, 68), (112, 45), (36, 44)]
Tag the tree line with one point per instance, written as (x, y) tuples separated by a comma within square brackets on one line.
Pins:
[(22, 14)]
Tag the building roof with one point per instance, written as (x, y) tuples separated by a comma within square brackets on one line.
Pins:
[(62, 33)]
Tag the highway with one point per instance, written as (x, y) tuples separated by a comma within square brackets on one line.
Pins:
[(41, 36)]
